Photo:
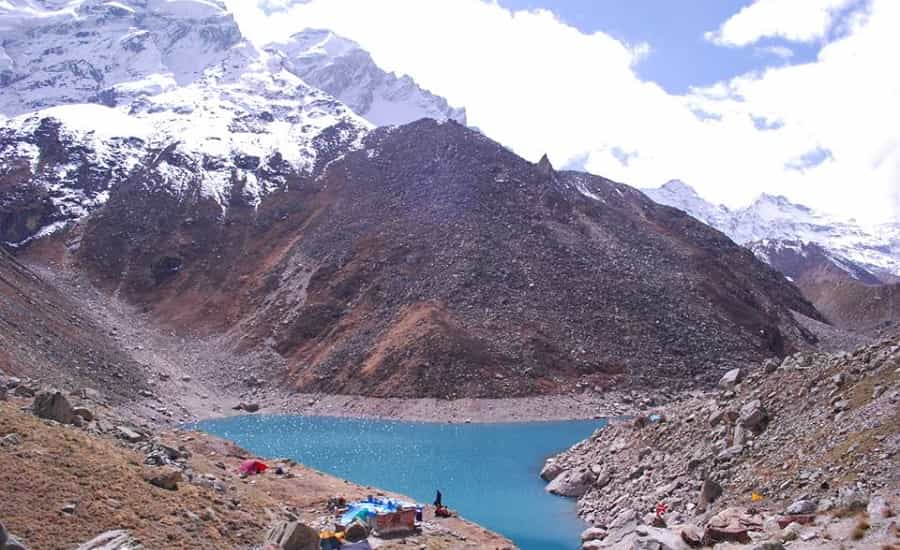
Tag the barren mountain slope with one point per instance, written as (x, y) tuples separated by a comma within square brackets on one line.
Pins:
[(44, 335), (434, 262)]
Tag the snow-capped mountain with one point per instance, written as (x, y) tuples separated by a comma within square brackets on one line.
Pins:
[(346, 71), (774, 223), (93, 90)]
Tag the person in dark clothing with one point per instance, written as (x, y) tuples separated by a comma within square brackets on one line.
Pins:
[(438, 502)]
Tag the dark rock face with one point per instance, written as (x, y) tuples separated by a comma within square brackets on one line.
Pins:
[(432, 259)]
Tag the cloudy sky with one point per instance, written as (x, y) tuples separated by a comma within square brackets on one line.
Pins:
[(735, 97)]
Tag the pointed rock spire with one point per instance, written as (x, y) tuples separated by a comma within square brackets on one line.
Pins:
[(544, 166)]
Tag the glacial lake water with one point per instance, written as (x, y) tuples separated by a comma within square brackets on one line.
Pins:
[(487, 472)]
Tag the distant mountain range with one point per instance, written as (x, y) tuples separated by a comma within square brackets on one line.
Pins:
[(794, 238)]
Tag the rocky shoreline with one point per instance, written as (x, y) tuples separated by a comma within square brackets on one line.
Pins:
[(801, 452)]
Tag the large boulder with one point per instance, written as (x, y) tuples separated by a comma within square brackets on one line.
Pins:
[(551, 469), (572, 483), (53, 406), (730, 379), (709, 492), (112, 540), (593, 533), (753, 416), (291, 535)]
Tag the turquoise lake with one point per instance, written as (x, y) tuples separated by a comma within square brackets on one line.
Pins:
[(487, 472)]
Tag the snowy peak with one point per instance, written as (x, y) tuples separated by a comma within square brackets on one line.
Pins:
[(784, 227), (94, 90), (107, 52), (346, 71), (680, 195)]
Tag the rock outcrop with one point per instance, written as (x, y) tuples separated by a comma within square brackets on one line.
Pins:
[(53, 406)]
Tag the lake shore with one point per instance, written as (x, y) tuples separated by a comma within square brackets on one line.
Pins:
[(573, 406)]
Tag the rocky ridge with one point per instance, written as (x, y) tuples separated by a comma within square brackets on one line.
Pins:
[(803, 451)]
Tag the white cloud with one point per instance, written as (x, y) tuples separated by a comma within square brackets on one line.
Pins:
[(779, 51), (538, 85), (794, 20)]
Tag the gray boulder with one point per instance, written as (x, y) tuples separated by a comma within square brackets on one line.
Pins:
[(291, 535), (753, 416), (128, 434), (593, 533), (571, 483), (53, 406), (709, 492), (551, 469), (112, 540), (84, 413), (730, 378), (10, 440), (801, 507)]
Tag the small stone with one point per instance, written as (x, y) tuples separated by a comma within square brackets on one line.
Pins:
[(356, 531), (128, 434), (801, 507), (164, 478), (84, 413), (11, 440)]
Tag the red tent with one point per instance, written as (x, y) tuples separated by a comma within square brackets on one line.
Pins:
[(252, 467)]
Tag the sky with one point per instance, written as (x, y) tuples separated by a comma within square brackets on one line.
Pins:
[(735, 97)]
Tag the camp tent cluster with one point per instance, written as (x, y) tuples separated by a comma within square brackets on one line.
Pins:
[(383, 516)]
